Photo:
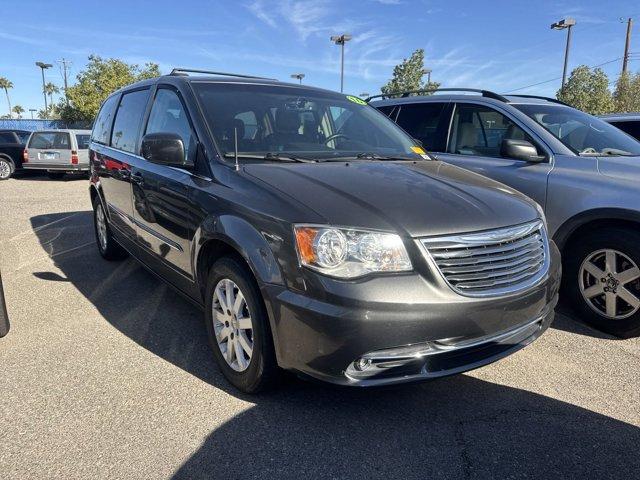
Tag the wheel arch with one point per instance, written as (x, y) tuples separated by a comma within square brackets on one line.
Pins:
[(579, 224)]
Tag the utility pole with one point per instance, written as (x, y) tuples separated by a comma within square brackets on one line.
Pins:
[(567, 23), (627, 43), (341, 40), (65, 68)]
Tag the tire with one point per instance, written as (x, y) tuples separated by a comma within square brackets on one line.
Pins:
[(55, 175), (622, 247), (107, 246), (6, 168), (260, 371)]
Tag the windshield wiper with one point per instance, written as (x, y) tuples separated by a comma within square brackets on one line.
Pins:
[(272, 156), (368, 156)]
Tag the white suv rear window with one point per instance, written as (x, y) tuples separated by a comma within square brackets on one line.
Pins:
[(50, 140)]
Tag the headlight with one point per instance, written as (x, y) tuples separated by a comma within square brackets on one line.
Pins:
[(349, 253)]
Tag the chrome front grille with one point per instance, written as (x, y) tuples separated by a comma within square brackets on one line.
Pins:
[(493, 262)]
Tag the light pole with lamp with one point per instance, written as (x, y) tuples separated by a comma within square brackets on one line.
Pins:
[(43, 66), (341, 40), (566, 23), (298, 76)]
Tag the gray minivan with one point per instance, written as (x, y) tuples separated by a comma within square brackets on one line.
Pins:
[(58, 152)]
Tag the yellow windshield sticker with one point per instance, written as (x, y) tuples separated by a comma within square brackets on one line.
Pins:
[(357, 100), (418, 150)]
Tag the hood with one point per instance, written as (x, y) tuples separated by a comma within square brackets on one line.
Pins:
[(624, 168), (412, 198)]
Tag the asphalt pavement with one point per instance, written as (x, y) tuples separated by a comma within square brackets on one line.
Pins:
[(107, 373)]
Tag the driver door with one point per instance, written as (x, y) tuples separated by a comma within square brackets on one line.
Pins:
[(474, 143)]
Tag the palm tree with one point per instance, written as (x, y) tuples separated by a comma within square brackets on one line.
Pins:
[(50, 89), (18, 110), (6, 84)]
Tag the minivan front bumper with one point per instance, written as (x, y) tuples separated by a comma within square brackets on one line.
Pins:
[(402, 328)]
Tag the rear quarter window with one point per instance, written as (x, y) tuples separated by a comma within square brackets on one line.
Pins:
[(83, 140), (102, 126), (50, 141)]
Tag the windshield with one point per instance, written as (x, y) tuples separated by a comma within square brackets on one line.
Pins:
[(581, 132), (299, 123)]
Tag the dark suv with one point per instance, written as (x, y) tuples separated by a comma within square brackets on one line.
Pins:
[(315, 234), (12, 143)]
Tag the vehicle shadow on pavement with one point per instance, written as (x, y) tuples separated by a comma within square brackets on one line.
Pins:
[(459, 427)]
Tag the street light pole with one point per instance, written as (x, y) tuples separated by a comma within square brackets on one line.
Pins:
[(32, 110), (566, 23), (43, 66), (298, 76), (341, 40)]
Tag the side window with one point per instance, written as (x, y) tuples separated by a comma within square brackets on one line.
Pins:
[(128, 119), (7, 137), (422, 120), (168, 115), (479, 130), (102, 125), (390, 111), (630, 127)]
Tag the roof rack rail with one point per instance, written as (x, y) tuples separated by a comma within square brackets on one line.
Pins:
[(485, 93), (548, 99), (186, 71)]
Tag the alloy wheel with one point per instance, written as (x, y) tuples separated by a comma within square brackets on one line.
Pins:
[(101, 227), (609, 282), (5, 169), (232, 325)]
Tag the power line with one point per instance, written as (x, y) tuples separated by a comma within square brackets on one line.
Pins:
[(558, 78)]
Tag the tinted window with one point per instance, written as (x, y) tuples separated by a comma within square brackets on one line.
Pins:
[(581, 132), (7, 137), (102, 125), (389, 110), (479, 130), (168, 115), (128, 119), (422, 120), (630, 127), (297, 120), (83, 141), (50, 140), (23, 136)]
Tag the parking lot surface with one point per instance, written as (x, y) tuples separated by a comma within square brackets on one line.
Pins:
[(107, 373)]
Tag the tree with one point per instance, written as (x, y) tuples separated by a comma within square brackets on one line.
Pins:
[(18, 110), (587, 90), (100, 78), (626, 96), (6, 85), (50, 89), (408, 75)]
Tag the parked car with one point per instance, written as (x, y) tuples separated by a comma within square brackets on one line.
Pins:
[(583, 171), (627, 122), (315, 234), (12, 144), (58, 152)]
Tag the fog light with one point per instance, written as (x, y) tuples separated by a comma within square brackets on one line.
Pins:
[(362, 364)]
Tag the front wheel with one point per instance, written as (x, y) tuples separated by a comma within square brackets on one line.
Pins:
[(6, 168), (602, 278), (238, 326)]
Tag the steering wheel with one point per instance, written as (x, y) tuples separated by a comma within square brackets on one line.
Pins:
[(334, 136)]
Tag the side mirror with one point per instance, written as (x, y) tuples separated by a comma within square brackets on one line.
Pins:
[(520, 150), (164, 149)]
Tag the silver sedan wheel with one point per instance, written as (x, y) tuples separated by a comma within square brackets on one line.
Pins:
[(610, 284), (101, 227), (5, 169), (232, 325)]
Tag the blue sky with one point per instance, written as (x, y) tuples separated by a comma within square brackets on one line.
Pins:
[(498, 45)]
